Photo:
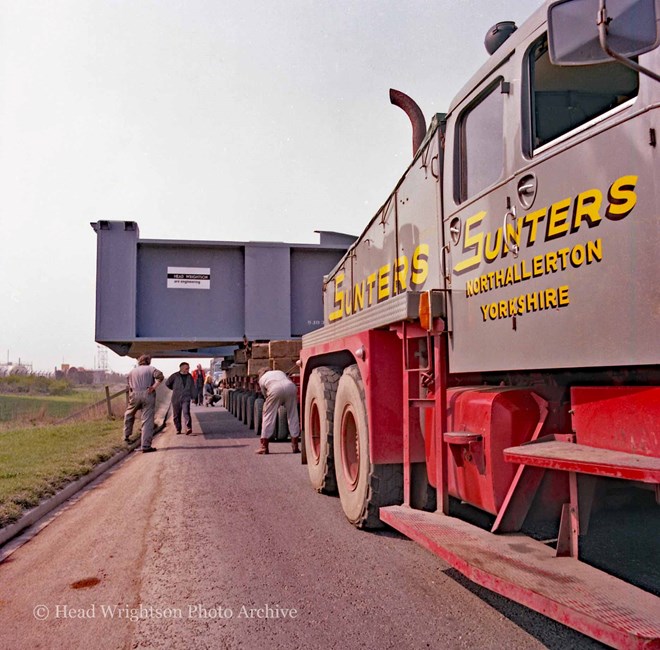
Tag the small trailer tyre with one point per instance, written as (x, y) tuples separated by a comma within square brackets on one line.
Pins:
[(244, 406), (319, 416), (363, 487), (258, 413), (282, 430), (250, 411)]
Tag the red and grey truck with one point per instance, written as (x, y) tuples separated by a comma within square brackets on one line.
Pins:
[(491, 340)]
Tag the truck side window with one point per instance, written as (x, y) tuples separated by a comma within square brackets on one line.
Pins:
[(565, 97), (481, 143)]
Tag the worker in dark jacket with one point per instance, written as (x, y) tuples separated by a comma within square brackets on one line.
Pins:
[(199, 376), (183, 390)]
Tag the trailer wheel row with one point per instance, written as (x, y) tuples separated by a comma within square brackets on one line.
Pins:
[(248, 408)]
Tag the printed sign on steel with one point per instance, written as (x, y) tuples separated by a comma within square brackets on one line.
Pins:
[(184, 277)]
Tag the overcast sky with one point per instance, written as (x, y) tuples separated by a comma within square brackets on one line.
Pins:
[(202, 119)]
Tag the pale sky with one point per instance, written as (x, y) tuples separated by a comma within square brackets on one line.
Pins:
[(202, 119)]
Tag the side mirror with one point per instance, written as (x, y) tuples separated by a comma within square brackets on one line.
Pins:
[(584, 32)]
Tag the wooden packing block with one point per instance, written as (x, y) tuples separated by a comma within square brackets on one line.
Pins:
[(283, 364), (260, 351), (240, 370), (240, 356), (284, 349), (255, 365)]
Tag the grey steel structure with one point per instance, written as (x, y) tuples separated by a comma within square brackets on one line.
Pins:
[(185, 298)]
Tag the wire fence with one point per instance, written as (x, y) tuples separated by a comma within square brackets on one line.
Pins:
[(111, 406)]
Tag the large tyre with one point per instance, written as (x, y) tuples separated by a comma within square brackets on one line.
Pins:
[(258, 413), (282, 431), (250, 411), (363, 487), (319, 417)]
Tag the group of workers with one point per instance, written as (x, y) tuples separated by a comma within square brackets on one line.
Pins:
[(276, 387)]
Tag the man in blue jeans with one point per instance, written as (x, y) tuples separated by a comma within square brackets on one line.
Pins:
[(142, 384), (183, 390)]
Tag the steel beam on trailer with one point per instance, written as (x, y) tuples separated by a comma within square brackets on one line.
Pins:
[(182, 298)]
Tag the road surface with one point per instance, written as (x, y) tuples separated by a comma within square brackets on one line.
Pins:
[(206, 545)]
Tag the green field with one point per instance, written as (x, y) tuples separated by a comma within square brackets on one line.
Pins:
[(36, 462), (54, 407)]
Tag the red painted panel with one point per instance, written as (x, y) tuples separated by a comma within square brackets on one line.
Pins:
[(381, 371), (619, 418)]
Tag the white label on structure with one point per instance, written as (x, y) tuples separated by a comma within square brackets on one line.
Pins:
[(184, 277)]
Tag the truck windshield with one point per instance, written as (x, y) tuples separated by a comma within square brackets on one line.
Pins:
[(564, 98)]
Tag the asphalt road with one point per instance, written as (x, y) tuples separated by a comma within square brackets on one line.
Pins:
[(207, 545)]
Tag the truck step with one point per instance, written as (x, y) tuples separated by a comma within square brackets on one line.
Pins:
[(571, 457), (528, 572)]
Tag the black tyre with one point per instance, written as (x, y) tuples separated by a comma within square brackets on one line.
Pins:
[(244, 402), (319, 418), (239, 405), (242, 406), (282, 424), (250, 410), (258, 413), (363, 486)]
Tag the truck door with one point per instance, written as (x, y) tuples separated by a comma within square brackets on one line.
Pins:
[(476, 196), (553, 264)]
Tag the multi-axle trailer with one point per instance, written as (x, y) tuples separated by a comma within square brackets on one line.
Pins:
[(490, 341)]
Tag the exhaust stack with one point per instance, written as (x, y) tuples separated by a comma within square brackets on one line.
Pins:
[(414, 113)]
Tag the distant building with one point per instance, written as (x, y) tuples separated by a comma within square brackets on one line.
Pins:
[(80, 376), (11, 368)]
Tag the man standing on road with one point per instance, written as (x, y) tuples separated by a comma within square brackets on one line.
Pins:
[(198, 377), (278, 390), (183, 390), (142, 383)]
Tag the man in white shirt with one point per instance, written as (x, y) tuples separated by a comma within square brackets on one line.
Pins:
[(142, 383), (278, 390)]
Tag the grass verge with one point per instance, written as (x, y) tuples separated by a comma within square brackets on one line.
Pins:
[(13, 407), (37, 462)]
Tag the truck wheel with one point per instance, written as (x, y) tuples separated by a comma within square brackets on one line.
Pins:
[(258, 412), (282, 424), (319, 417), (363, 487)]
